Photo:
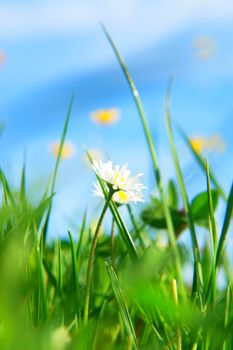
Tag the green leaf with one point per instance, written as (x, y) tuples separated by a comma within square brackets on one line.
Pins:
[(172, 194), (154, 216), (200, 207)]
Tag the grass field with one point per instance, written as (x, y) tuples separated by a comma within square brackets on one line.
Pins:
[(119, 288)]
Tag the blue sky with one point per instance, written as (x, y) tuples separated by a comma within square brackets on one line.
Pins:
[(55, 48)]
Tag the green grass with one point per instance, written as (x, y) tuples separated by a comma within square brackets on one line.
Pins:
[(122, 290)]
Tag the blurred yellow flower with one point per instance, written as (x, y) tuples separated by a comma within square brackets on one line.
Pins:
[(204, 47), (198, 143), (68, 149), (212, 143), (105, 116), (2, 57)]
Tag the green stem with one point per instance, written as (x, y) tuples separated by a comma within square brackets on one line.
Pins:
[(135, 225), (90, 266), (113, 244)]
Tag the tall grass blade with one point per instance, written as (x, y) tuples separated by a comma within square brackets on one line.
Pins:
[(80, 240), (226, 224), (197, 281), (213, 230), (122, 305), (228, 314), (75, 279), (171, 231), (64, 132)]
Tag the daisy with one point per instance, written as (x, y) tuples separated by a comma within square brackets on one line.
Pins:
[(127, 188), (105, 116)]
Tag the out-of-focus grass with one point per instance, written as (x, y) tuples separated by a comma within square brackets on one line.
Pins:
[(139, 297)]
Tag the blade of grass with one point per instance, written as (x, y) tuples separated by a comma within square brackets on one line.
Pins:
[(201, 161), (22, 190), (7, 193), (148, 136), (59, 272), (122, 305), (226, 224), (75, 280), (80, 240), (228, 312), (135, 226), (197, 281), (64, 132), (42, 290), (213, 230)]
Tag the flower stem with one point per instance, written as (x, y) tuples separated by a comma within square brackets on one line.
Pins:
[(90, 266)]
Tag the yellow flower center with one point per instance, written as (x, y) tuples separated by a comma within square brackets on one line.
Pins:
[(123, 196)]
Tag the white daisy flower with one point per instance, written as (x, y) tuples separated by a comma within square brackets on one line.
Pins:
[(128, 188)]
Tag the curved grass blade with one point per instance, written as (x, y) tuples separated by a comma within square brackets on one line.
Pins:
[(122, 305), (171, 231), (64, 132), (197, 278)]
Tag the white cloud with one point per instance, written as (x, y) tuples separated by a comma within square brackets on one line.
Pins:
[(135, 19)]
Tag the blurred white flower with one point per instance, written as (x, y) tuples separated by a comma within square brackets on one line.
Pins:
[(128, 188)]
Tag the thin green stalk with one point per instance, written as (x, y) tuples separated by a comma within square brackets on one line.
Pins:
[(175, 298), (226, 224), (113, 243), (213, 230), (90, 266), (64, 132), (171, 231), (75, 280), (197, 280), (227, 315), (128, 324), (136, 227)]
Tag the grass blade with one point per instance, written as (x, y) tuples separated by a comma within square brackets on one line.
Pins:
[(171, 231), (64, 132), (122, 305), (226, 224), (213, 230), (197, 281), (75, 279)]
